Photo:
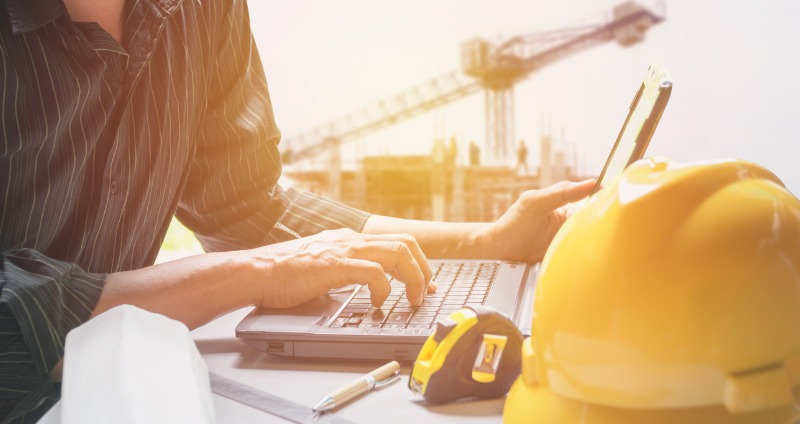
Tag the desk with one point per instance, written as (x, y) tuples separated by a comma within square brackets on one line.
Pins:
[(306, 381)]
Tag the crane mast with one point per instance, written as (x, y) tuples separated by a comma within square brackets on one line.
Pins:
[(485, 66)]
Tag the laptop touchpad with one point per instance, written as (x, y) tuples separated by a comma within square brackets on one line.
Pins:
[(298, 318)]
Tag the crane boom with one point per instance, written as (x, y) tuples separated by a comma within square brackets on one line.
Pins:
[(484, 66), (408, 104), (627, 26)]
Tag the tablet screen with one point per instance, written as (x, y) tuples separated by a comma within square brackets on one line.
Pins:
[(643, 116)]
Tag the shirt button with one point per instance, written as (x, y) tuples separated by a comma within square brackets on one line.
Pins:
[(114, 186)]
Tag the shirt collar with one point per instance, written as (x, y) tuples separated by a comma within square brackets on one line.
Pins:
[(29, 15)]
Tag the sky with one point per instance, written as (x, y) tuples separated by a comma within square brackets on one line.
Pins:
[(734, 64)]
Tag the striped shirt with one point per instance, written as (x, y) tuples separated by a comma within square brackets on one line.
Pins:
[(101, 143)]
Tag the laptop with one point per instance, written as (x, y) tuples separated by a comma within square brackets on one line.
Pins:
[(344, 324)]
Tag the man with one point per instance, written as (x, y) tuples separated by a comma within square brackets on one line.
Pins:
[(118, 115), (522, 157), (474, 154)]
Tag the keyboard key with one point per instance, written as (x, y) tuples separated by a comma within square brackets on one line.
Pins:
[(420, 320), (433, 303), (398, 317), (394, 326), (427, 309), (419, 326), (377, 317), (456, 296), (417, 332), (370, 325), (385, 308), (339, 322)]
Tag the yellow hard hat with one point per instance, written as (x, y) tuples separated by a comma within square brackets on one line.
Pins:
[(673, 296)]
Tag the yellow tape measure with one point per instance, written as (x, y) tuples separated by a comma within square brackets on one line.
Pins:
[(474, 353)]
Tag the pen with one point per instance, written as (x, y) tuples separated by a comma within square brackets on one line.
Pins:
[(377, 378)]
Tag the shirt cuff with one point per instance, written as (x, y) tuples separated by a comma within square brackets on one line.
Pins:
[(48, 298)]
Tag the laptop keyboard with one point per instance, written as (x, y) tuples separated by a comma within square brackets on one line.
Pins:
[(458, 285)]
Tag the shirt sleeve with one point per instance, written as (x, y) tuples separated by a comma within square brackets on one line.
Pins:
[(232, 199), (41, 300)]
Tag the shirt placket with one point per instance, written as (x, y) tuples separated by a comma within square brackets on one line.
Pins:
[(129, 67)]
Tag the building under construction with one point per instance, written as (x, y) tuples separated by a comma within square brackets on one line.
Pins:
[(436, 186)]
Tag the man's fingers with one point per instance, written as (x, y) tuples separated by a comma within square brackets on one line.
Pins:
[(413, 246), (396, 259), (371, 273), (396, 254), (558, 195)]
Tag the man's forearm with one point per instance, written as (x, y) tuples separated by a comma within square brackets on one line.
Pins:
[(192, 290), (439, 240)]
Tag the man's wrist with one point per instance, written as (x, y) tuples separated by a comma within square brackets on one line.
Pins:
[(466, 241), (259, 269), (483, 242)]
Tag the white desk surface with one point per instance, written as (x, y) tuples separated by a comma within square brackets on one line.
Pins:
[(306, 381)]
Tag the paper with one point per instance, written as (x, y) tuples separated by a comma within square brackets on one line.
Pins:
[(128, 365)]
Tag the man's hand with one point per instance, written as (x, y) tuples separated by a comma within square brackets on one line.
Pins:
[(196, 289), (299, 270), (525, 231)]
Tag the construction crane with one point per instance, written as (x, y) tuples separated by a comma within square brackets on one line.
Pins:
[(485, 66)]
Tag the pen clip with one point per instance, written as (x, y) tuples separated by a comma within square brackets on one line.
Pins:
[(388, 380)]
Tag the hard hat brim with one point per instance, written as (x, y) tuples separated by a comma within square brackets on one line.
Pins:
[(527, 404)]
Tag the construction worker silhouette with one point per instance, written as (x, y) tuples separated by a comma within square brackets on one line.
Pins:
[(522, 157), (474, 154)]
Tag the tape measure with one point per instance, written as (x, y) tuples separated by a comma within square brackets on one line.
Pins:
[(473, 353)]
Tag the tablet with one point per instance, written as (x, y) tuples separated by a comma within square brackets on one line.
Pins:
[(643, 115)]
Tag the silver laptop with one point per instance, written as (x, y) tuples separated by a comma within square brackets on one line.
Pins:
[(344, 324)]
